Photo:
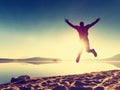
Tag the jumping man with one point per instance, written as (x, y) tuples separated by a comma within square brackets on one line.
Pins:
[(83, 34)]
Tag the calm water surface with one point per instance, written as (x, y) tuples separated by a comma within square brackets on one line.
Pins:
[(8, 70)]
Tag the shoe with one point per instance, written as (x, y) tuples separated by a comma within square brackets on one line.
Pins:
[(94, 53), (77, 59)]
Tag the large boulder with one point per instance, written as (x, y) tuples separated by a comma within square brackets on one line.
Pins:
[(20, 78)]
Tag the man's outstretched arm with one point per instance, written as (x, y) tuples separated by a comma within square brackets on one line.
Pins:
[(69, 23), (93, 23)]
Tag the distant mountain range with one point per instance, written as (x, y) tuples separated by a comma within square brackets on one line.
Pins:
[(116, 57), (33, 60), (41, 60)]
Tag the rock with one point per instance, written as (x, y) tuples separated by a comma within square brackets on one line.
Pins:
[(74, 88), (59, 88), (36, 87), (54, 85), (11, 88), (65, 83), (22, 82), (99, 88), (117, 88), (20, 78), (27, 88), (14, 79), (49, 81), (44, 83), (24, 77), (80, 88), (78, 84)]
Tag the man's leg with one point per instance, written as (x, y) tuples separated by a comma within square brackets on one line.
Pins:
[(78, 57), (80, 52), (88, 48)]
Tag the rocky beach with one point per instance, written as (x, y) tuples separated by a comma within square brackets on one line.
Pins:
[(104, 80)]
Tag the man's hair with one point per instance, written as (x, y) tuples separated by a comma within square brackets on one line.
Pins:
[(81, 23)]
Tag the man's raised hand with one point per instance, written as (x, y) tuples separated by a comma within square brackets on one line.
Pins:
[(98, 19), (66, 20)]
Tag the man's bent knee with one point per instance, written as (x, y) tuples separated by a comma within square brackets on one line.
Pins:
[(88, 50)]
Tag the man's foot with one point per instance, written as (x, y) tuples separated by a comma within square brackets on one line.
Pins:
[(94, 52), (78, 58)]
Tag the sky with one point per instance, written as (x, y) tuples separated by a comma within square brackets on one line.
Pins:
[(36, 28)]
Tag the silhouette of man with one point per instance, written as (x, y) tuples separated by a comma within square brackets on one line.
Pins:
[(83, 34)]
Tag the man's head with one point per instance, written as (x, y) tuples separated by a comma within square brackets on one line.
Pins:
[(82, 23)]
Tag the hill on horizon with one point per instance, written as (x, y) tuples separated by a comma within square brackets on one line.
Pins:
[(115, 57), (32, 60)]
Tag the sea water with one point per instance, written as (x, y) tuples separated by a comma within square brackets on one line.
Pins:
[(9, 70)]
